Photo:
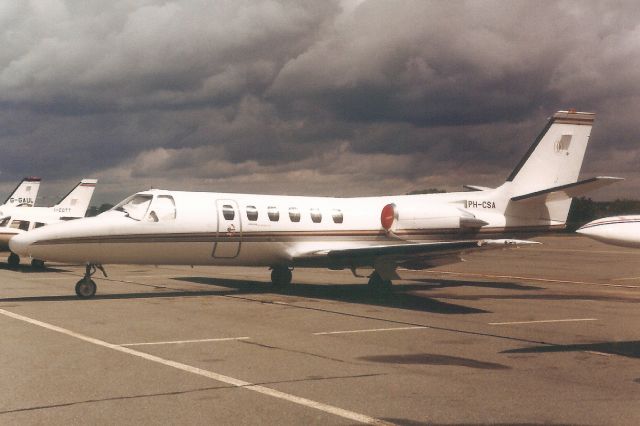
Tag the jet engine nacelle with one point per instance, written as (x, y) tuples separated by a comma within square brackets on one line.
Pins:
[(434, 216)]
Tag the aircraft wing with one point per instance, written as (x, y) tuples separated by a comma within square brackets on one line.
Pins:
[(386, 258)]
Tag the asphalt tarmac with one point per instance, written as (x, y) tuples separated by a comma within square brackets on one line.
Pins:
[(548, 334)]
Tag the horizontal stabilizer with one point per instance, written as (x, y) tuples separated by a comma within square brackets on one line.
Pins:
[(564, 192), (476, 188)]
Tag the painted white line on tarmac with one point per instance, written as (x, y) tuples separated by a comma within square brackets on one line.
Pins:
[(626, 279), (370, 330), (179, 342), (614, 252), (36, 278), (544, 321), (547, 280), (350, 415), (148, 276), (598, 353)]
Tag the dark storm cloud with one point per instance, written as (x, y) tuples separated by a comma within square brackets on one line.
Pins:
[(309, 97)]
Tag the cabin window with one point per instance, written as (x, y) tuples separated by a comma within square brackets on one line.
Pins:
[(39, 225), (337, 216), (294, 214), (252, 213), (228, 212), (5, 221), (20, 224), (273, 213), (316, 216), (135, 206)]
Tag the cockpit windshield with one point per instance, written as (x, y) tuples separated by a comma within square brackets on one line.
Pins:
[(5, 221), (135, 206)]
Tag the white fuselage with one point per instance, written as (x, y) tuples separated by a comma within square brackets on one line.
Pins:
[(619, 230), (199, 228), (22, 219)]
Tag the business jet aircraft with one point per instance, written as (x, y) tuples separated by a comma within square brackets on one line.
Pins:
[(24, 195), (619, 230), (19, 220), (282, 232)]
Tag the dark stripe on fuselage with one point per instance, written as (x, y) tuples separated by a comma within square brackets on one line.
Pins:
[(292, 236)]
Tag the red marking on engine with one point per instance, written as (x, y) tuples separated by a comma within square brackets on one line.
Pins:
[(388, 216)]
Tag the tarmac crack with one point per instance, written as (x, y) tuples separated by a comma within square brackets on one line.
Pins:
[(263, 345), (184, 392)]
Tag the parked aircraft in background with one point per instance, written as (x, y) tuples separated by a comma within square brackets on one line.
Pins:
[(24, 195), (618, 230), (19, 220), (378, 234)]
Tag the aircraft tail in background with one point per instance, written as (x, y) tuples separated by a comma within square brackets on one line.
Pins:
[(25, 193), (76, 202)]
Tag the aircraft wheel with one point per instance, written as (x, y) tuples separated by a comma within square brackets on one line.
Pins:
[(37, 264), (281, 276), (86, 288), (13, 261), (378, 285)]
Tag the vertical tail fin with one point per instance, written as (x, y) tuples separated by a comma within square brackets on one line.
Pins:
[(25, 193), (555, 158), (553, 162), (76, 202)]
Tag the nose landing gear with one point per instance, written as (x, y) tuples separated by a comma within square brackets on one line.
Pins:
[(86, 287), (13, 260)]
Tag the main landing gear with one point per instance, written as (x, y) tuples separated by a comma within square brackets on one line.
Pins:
[(378, 285), (86, 287), (280, 276), (37, 264), (14, 261)]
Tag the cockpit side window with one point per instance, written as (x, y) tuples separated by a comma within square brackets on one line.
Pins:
[(164, 208), (135, 206)]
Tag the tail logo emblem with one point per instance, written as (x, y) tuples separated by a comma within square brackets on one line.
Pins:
[(562, 145)]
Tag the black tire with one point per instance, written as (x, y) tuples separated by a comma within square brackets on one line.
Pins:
[(281, 276), (13, 260), (37, 264), (378, 285), (86, 288)]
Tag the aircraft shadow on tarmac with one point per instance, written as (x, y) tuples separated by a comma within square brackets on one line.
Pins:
[(436, 283), (630, 349), (435, 359), (27, 269), (353, 293), (403, 296)]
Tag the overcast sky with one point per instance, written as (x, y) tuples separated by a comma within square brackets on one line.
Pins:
[(309, 97)]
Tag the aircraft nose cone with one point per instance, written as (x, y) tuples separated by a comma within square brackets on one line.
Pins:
[(583, 231), (20, 243), (589, 229)]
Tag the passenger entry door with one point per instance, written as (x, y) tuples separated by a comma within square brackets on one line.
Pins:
[(229, 232)]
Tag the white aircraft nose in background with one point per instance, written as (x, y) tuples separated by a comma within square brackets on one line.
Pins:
[(619, 230), (19, 243)]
